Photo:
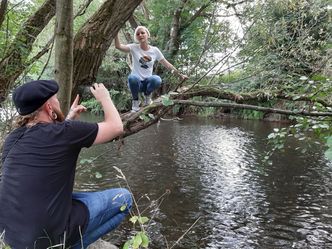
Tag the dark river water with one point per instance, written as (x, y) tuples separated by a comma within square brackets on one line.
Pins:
[(216, 177)]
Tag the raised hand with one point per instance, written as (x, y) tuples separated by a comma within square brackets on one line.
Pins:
[(75, 109)]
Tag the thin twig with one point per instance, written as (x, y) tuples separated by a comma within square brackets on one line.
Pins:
[(48, 59), (182, 236)]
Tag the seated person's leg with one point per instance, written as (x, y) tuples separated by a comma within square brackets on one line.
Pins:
[(105, 212), (134, 84), (153, 82)]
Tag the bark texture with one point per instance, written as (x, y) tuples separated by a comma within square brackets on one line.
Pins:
[(95, 37), (90, 43), (3, 9), (63, 70), (13, 63)]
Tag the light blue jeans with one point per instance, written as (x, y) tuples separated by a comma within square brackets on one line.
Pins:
[(105, 214), (146, 86)]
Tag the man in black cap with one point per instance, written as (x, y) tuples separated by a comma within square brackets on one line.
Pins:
[(38, 208)]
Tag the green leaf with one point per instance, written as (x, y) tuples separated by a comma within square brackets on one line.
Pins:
[(324, 126), (133, 219), (127, 244), (123, 208), (328, 154), (280, 146), (329, 142), (98, 175), (143, 220), (137, 241), (166, 100), (296, 97), (145, 240), (144, 117)]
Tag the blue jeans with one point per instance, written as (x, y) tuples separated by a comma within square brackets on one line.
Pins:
[(146, 86), (105, 214)]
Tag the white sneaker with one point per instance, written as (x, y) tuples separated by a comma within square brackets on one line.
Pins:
[(147, 100), (135, 105)]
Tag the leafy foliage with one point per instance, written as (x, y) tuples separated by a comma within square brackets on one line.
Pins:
[(287, 39), (304, 129), (140, 239), (328, 153), (15, 15), (120, 99)]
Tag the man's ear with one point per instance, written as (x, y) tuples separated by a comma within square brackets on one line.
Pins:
[(48, 108)]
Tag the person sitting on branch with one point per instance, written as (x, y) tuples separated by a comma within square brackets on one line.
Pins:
[(144, 56), (38, 208)]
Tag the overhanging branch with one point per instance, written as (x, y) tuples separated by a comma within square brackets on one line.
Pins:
[(253, 107)]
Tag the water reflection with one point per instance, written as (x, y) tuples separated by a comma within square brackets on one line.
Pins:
[(214, 171)]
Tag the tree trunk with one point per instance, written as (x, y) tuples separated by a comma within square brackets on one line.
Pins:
[(95, 37), (3, 9), (174, 42), (63, 70), (13, 62), (90, 43)]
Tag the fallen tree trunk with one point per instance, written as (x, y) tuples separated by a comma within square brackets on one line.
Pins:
[(135, 122)]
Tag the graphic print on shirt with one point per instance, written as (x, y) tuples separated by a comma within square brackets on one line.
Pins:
[(144, 60)]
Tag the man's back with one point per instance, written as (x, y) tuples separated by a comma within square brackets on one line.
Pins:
[(36, 188)]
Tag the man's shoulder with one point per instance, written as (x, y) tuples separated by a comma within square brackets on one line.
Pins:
[(75, 124), (15, 134), (67, 126)]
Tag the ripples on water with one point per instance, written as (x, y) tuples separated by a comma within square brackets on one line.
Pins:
[(214, 171)]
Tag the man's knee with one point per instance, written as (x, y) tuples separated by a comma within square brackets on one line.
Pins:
[(124, 198)]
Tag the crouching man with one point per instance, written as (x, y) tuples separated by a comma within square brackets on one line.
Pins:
[(38, 208)]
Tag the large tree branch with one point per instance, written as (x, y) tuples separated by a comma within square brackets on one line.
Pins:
[(174, 41), (261, 96), (197, 14), (254, 108), (133, 122), (14, 61), (81, 11), (178, 26), (95, 36)]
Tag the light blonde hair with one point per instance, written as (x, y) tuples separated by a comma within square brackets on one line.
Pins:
[(141, 27)]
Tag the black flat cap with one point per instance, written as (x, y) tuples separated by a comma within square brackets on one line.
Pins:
[(32, 95)]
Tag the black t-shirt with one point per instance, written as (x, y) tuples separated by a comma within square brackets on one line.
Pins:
[(36, 206)]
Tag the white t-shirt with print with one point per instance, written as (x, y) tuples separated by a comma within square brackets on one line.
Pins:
[(143, 61)]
